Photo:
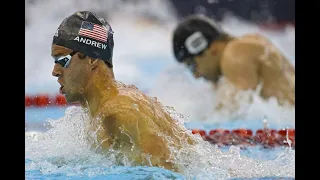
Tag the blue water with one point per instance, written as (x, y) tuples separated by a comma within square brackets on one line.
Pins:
[(127, 173), (114, 173), (130, 173)]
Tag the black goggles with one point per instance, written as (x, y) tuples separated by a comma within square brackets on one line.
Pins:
[(64, 60)]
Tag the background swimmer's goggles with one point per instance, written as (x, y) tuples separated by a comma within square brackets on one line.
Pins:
[(64, 60)]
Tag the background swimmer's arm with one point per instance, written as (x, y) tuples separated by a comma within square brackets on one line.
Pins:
[(240, 69), (240, 65)]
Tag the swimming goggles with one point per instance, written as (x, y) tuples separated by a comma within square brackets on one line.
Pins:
[(64, 60)]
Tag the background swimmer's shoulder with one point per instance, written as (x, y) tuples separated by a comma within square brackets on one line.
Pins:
[(255, 38), (245, 46)]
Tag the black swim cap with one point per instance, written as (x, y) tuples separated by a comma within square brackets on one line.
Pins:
[(193, 36), (86, 33)]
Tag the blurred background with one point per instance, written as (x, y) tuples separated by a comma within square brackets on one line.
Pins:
[(143, 52)]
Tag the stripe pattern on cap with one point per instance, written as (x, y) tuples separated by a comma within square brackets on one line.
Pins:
[(196, 43), (93, 31)]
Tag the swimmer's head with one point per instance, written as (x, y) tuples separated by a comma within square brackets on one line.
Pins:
[(88, 34), (82, 47), (197, 43)]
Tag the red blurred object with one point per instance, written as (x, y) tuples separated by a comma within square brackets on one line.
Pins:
[(283, 136), (220, 131), (221, 137), (199, 131), (242, 137), (60, 100), (267, 137), (28, 101), (42, 100), (243, 132), (283, 132)]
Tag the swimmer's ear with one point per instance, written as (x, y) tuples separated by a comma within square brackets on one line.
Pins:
[(213, 50), (93, 63)]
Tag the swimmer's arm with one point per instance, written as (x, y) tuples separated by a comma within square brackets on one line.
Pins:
[(143, 130), (145, 135)]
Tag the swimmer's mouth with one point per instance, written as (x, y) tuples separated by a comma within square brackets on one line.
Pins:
[(60, 90)]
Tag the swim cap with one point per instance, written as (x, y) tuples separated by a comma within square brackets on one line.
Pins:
[(193, 36), (86, 33)]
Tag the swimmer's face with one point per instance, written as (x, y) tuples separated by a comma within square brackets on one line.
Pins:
[(206, 64), (74, 77)]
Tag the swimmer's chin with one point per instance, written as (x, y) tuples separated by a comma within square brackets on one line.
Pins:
[(214, 79), (61, 90), (71, 100), (197, 75)]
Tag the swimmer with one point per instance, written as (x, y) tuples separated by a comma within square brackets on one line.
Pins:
[(245, 62), (123, 117)]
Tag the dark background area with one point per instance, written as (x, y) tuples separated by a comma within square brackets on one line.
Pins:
[(257, 11)]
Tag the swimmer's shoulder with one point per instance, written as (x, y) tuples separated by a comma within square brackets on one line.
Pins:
[(252, 42), (115, 106), (263, 46), (255, 38), (245, 48)]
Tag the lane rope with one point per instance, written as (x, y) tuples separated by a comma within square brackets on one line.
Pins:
[(265, 137)]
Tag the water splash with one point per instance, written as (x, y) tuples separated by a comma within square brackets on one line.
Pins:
[(288, 141), (216, 164), (66, 148), (197, 99)]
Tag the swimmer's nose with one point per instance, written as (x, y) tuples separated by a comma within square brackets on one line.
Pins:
[(57, 70)]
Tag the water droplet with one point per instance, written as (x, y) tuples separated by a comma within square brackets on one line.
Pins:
[(265, 122), (154, 99)]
